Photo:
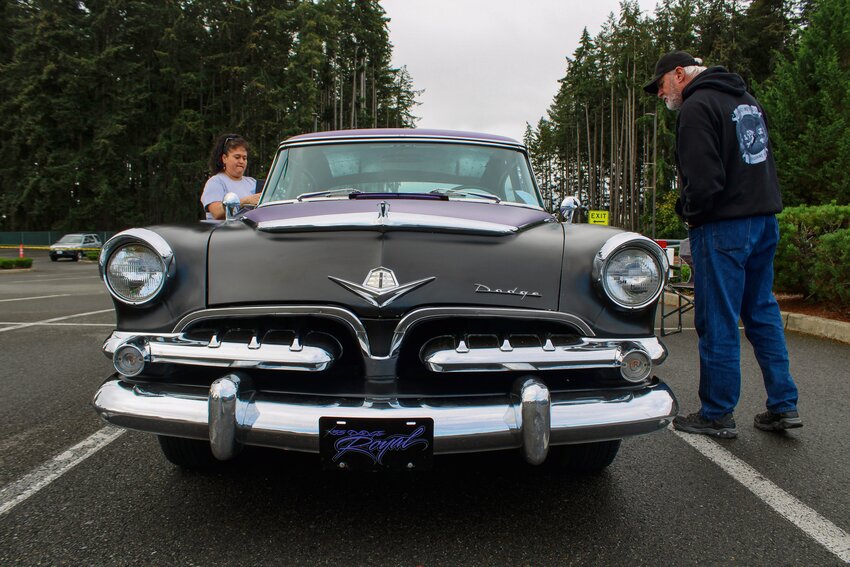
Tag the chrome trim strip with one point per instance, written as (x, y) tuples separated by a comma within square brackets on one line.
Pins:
[(417, 316), (395, 221), (176, 348), (336, 313), (408, 321), (588, 353), (403, 138), (617, 243), (148, 238), (485, 201), (460, 425)]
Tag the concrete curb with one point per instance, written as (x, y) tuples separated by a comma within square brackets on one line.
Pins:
[(818, 326), (799, 323)]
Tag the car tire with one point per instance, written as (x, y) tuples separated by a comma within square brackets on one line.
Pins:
[(187, 453), (78, 256), (53, 258), (584, 458)]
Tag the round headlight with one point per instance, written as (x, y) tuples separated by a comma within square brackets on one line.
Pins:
[(135, 273), (632, 277)]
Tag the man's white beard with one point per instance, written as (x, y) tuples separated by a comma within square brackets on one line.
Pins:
[(674, 101)]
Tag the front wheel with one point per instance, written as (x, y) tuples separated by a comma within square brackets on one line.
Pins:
[(584, 458), (77, 256), (187, 453)]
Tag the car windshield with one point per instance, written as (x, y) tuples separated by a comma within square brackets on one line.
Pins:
[(71, 239), (458, 171)]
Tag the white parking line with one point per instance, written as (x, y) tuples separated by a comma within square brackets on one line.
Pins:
[(24, 325), (833, 538), (36, 297), (18, 491), (39, 280), (61, 324)]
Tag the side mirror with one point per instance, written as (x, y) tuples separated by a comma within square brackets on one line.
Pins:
[(231, 206), (568, 208)]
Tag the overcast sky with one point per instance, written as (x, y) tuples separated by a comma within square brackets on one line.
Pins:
[(490, 65)]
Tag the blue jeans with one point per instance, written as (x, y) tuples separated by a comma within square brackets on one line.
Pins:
[(733, 279)]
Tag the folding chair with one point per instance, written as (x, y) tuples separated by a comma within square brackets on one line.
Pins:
[(684, 301)]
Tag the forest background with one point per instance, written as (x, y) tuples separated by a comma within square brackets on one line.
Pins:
[(607, 142), (108, 108)]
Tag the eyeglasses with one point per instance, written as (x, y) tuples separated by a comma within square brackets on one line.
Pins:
[(226, 140)]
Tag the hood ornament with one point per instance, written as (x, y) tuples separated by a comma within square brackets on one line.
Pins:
[(381, 287)]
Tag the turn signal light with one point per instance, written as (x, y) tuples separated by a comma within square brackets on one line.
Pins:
[(636, 366), (130, 359)]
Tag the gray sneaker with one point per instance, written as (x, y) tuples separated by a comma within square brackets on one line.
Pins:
[(769, 421), (724, 427)]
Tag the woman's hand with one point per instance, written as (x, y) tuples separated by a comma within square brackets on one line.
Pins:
[(250, 199)]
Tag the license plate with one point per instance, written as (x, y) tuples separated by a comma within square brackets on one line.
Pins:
[(376, 444)]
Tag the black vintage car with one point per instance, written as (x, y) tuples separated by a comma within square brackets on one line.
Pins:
[(396, 294)]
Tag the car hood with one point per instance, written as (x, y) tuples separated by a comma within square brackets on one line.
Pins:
[(439, 253)]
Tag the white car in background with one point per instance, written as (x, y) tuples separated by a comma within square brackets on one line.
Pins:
[(74, 246)]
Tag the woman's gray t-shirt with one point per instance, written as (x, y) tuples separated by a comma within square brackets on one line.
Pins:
[(220, 184)]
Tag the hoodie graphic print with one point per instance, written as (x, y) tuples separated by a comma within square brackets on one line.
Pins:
[(752, 133)]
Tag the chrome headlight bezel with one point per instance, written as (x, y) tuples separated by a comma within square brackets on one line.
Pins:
[(626, 241), (143, 237)]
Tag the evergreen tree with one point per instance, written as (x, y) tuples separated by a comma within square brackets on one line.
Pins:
[(110, 106), (808, 103)]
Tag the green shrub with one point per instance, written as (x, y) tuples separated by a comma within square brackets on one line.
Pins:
[(10, 263), (92, 255), (800, 229), (830, 281)]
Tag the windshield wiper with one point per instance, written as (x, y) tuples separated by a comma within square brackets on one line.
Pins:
[(344, 190), (469, 192)]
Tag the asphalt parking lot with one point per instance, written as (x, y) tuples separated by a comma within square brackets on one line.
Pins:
[(668, 499)]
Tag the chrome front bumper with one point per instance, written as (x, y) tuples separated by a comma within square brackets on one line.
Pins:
[(531, 417)]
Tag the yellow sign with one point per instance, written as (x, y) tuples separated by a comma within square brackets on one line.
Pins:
[(597, 217)]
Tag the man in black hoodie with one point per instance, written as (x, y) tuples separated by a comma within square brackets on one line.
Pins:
[(729, 196)]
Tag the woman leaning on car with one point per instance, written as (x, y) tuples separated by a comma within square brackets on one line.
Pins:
[(228, 161)]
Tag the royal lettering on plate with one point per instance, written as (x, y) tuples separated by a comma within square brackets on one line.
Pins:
[(481, 288), (373, 444)]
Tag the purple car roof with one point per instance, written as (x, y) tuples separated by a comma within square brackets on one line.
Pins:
[(402, 133)]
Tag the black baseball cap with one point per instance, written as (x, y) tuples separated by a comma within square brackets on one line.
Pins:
[(667, 63)]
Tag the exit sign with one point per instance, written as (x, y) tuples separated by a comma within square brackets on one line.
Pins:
[(597, 217)]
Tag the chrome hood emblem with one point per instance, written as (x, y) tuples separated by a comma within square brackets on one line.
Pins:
[(381, 287)]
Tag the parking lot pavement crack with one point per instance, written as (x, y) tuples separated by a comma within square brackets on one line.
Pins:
[(830, 536)]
